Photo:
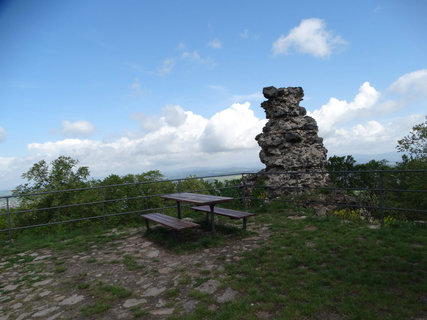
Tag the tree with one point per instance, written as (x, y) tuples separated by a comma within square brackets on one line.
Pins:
[(340, 165), (336, 163), (415, 143), (59, 175)]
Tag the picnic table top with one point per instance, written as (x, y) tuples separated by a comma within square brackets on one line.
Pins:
[(195, 198)]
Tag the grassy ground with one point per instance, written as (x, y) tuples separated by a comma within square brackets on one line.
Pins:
[(327, 268), (313, 268)]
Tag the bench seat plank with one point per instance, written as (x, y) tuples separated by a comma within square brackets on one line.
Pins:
[(233, 214), (171, 222)]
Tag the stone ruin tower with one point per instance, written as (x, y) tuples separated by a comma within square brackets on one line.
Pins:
[(289, 142)]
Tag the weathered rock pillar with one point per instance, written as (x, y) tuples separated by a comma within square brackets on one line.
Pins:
[(289, 142)]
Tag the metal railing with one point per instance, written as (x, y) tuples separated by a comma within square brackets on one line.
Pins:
[(386, 188), (375, 191)]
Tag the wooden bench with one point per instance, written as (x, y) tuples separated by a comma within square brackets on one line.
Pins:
[(168, 221), (232, 214)]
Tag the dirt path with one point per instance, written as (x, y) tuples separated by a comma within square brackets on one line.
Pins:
[(127, 278)]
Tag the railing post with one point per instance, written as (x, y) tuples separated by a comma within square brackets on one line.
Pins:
[(298, 202), (243, 190), (381, 191), (103, 208), (8, 219)]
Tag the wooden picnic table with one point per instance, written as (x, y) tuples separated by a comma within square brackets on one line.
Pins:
[(198, 199)]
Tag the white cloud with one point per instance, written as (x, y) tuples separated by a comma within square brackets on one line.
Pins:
[(77, 129), (338, 112), (10, 171), (136, 88), (218, 88), (256, 96), (3, 134), (174, 116), (182, 46), (147, 122), (371, 137), (188, 56), (178, 139), (232, 129), (195, 57), (310, 37), (244, 33), (166, 67), (215, 43), (413, 83), (377, 9), (369, 123)]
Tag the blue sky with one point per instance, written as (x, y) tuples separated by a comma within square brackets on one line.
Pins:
[(130, 86)]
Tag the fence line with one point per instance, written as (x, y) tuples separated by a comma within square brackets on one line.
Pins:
[(295, 194)]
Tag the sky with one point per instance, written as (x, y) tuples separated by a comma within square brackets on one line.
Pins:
[(130, 86)]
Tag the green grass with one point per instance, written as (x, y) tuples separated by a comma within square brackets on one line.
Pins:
[(60, 269), (137, 312), (104, 296), (321, 267), (199, 238), (314, 268), (130, 263), (83, 286), (185, 280), (78, 240), (91, 260), (172, 293)]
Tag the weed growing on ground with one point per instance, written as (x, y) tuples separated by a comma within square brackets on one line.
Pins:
[(104, 295), (137, 312), (130, 263), (172, 293), (60, 269)]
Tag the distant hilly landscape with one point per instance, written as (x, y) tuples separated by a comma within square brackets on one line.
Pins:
[(4, 193), (391, 157), (13, 202)]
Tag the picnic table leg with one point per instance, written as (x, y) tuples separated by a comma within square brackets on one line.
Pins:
[(175, 235), (146, 223), (244, 223), (178, 205), (212, 218)]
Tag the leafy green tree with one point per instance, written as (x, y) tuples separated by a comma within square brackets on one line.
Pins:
[(369, 180), (192, 184), (61, 174), (415, 143), (345, 163), (337, 164), (135, 193)]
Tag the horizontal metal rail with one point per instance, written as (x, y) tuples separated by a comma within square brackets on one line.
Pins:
[(130, 200)]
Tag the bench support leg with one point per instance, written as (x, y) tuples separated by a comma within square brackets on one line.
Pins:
[(175, 235), (212, 218), (147, 224), (178, 205), (244, 223)]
